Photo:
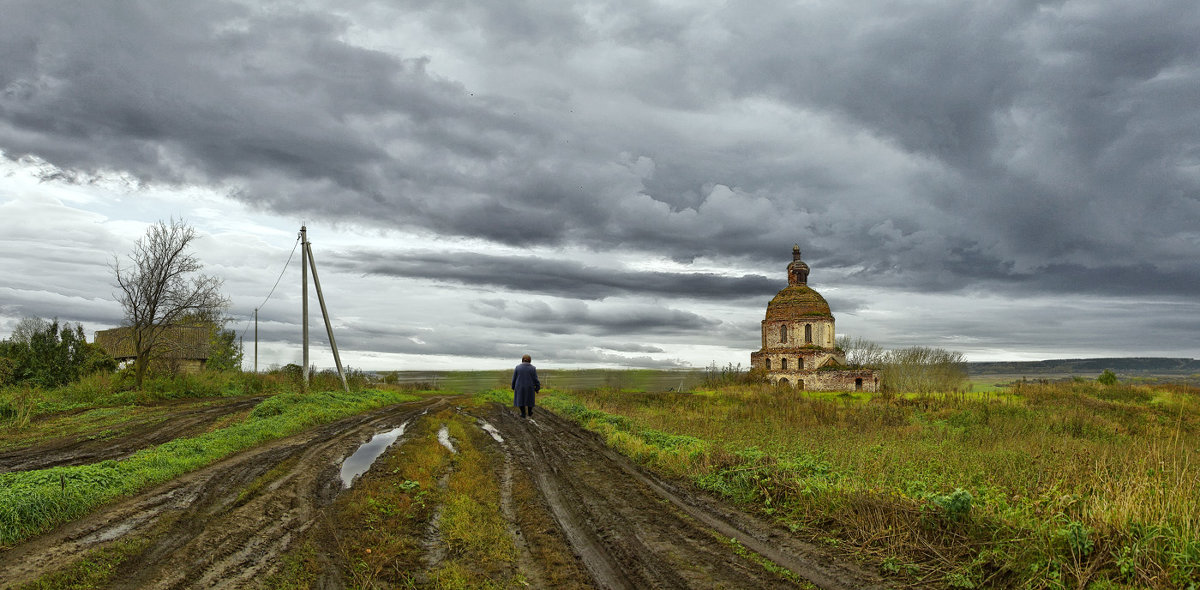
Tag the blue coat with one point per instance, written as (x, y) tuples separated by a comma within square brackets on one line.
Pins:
[(525, 384)]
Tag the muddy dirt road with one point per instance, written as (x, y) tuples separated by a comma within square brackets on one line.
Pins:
[(576, 514)]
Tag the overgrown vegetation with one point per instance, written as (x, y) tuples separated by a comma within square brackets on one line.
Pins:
[(43, 354), (1050, 485), (34, 501)]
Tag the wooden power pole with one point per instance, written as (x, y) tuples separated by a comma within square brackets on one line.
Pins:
[(325, 314), (308, 263), (304, 300)]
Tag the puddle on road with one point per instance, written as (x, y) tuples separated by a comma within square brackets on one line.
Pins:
[(491, 430), (444, 438), (358, 463)]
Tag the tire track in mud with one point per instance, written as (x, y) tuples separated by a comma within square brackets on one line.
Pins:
[(203, 535), (81, 450), (527, 565), (634, 530)]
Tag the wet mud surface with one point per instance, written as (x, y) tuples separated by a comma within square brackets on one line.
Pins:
[(580, 515)]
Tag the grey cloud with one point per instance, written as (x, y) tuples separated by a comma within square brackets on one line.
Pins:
[(559, 277), (577, 317), (628, 347)]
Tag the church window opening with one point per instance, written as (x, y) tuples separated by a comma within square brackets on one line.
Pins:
[(768, 364), (782, 364), (800, 363), (858, 384), (783, 333), (808, 333)]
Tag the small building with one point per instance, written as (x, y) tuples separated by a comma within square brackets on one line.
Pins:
[(798, 340), (180, 349)]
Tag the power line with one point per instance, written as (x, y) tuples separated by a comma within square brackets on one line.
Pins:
[(285, 267), (281, 273)]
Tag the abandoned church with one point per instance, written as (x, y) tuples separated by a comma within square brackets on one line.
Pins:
[(798, 343)]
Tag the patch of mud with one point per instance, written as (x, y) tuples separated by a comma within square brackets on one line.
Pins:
[(362, 458), (435, 548)]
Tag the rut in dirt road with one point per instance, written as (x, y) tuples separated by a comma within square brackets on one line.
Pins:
[(634, 530)]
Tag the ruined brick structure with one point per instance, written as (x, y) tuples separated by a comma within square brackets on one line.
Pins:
[(798, 347)]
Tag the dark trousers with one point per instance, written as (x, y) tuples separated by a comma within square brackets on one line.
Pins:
[(526, 411)]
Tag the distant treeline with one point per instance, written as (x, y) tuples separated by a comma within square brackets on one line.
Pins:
[(1126, 365)]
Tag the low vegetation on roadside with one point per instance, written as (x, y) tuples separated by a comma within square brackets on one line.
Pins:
[(1049, 485)]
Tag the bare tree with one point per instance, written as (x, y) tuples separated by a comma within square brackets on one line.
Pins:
[(920, 369), (861, 352), (160, 286), (27, 328)]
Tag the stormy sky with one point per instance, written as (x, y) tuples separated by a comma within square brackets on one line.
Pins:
[(617, 183)]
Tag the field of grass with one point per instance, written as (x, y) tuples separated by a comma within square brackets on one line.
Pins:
[(1045, 485)]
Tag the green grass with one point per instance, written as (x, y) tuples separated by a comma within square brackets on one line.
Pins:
[(1045, 485), (34, 501)]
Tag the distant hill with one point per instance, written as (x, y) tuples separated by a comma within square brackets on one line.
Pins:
[(1086, 367)]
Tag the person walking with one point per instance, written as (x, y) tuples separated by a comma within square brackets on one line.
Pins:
[(524, 385)]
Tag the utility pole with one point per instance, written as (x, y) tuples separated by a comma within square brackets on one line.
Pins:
[(325, 314), (304, 299), (256, 340)]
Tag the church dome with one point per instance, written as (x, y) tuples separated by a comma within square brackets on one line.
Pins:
[(796, 302)]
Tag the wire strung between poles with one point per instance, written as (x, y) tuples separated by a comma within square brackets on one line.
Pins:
[(281, 273)]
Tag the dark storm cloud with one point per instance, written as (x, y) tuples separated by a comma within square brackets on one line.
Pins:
[(564, 278), (927, 146), (575, 317)]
